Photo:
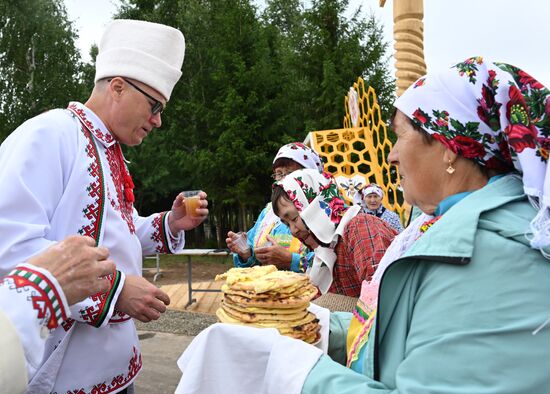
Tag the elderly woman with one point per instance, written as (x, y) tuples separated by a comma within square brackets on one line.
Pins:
[(462, 309), (348, 245), (270, 241), (371, 203)]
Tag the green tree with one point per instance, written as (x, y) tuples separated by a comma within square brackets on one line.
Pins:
[(218, 131), (323, 53), (40, 67), (252, 80)]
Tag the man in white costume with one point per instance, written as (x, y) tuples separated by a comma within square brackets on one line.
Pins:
[(63, 173), (35, 298)]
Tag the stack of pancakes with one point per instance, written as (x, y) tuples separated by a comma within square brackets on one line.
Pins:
[(264, 297)]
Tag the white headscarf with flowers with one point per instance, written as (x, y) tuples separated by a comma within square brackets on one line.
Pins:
[(322, 209), (495, 114), (301, 154)]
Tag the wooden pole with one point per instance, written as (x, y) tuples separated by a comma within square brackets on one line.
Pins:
[(408, 31)]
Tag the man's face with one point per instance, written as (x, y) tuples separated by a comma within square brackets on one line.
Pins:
[(133, 118)]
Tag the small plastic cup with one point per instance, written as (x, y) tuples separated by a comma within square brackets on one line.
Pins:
[(241, 242), (192, 202), (265, 244)]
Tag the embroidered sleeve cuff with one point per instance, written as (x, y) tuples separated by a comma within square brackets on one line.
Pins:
[(55, 308), (173, 242), (97, 309)]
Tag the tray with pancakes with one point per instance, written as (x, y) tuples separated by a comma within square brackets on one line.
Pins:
[(265, 297)]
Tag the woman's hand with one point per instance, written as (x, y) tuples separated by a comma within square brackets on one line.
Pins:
[(231, 244), (274, 254)]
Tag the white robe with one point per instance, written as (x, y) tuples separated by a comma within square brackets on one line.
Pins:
[(31, 303), (59, 176)]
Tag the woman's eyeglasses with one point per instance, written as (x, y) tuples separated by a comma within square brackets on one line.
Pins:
[(280, 175)]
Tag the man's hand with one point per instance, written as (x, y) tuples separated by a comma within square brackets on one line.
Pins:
[(141, 299), (230, 241), (180, 219), (78, 265), (274, 254)]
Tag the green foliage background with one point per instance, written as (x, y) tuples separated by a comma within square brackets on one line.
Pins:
[(253, 79)]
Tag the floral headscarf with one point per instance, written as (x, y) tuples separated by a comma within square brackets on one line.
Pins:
[(316, 197), (301, 154), (495, 114), (372, 188), (318, 200)]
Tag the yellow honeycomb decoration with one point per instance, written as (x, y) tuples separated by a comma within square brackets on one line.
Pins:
[(356, 156)]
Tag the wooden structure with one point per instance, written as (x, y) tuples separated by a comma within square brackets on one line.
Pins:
[(357, 154), (408, 31)]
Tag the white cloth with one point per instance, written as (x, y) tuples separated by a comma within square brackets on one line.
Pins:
[(13, 375), (147, 52), (232, 359), (320, 271), (58, 179), (301, 154), (372, 188), (31, 300)]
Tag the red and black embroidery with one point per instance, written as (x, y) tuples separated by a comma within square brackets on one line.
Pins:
[(95, 315), (124, 185), (159, 236), (81, 114), (45, 300), (119, 317), (96, 191), (119, 381)]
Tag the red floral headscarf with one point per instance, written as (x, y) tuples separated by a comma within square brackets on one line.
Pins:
[(301, 154), (318, 200), (492, 113)]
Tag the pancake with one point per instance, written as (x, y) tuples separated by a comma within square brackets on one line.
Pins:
[(308, 289), (264, 297), (283, 303), (279, 324), (251, 317), (253, 309), (280, 281), (245, 274)]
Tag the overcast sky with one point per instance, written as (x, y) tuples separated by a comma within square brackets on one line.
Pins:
[(511, 31)]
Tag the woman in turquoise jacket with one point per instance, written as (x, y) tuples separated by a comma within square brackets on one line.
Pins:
[(269, 241), (460, 302), (463, 303)]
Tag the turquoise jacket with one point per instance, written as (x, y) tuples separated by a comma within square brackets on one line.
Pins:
[(456, 313), (282, 235)]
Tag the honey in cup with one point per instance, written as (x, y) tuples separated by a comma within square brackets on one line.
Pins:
[(192, 202)]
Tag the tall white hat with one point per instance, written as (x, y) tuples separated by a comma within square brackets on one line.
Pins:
[(147, 52)]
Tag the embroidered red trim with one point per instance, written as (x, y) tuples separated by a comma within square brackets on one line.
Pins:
[(429, 223), (118, 382), (94, 210), (159, 234), (40, 302), (123, 185), (95, 315), (81, 114)]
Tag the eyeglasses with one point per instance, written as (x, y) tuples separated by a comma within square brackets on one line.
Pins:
[(157, 107), (280, 175)]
